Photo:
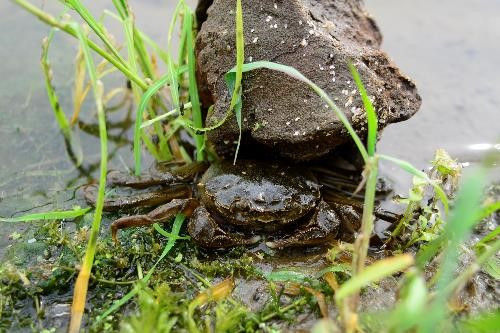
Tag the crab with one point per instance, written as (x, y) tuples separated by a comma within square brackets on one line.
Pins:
[(234, 204)]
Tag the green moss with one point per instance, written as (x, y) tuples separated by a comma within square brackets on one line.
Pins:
[(237, 262)]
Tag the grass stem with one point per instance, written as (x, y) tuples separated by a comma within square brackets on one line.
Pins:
[(81, 284)]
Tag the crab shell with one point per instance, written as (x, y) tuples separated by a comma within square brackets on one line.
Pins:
[(260, 195)]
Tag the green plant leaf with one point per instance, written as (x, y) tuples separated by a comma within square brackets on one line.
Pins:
[(492, 267), (481, 323), (371, 115), (68, 214), (413, 298), (338, 268), (373, 273), (286, 276), (414, 171), (489, 237), (152, 90), (193, 86), (462, 219)]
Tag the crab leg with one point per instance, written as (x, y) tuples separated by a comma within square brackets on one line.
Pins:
[(161, 214), (322, 226), (140, 200), (157, 177)]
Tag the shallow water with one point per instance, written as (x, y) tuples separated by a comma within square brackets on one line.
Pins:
[(449, 47), (36, 173)]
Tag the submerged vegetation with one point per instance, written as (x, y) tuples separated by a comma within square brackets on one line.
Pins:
[(160, 281)]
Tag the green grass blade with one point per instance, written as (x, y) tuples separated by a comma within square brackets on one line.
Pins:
[(81, 284), (411, 305), (67, 214), (486, 322), (180, 10), (371, 115), (428, 251), (489, 237), (374, 273), (286, 276), (236, 99), (406, 166), (171, 68), (489, 209), (128, 25), (61, 119), (174, 86), (182, 51), (367, 220), (159, 51), (139, 38), (337, 268), (152, 90), (142, 55), (167, 234), (193, 86), (84, 13), (179, 219), (121, 8), (73, 147), (163, 152)]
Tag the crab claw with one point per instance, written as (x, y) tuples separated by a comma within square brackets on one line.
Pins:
[(207, 233)]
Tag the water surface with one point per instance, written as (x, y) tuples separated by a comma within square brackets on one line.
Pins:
[(450, 48)]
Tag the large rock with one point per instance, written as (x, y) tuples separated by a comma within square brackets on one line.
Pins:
[(317, 37)]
